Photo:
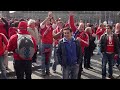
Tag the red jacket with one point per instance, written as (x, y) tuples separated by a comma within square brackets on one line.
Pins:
[(3, 30), (85, 38), (12, 31), (3, 43), (12, 44), (93, 31), (72, 24), (83, 35), (100, 32)]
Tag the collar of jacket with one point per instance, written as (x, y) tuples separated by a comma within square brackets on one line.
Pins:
[(23, 32), (65, 40), (108, 35)]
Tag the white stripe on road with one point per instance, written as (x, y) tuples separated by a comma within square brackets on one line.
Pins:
[(84, 77)]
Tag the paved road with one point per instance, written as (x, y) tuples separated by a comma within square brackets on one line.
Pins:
[(86, 74)]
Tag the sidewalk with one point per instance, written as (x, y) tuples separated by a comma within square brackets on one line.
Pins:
[(86, 74), (11, 72)]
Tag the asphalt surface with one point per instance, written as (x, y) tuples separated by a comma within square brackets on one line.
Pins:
[(94, 73)]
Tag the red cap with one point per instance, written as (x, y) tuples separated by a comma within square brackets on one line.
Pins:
[(22, 25)]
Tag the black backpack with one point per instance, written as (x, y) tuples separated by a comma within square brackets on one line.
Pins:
[(25, 46)]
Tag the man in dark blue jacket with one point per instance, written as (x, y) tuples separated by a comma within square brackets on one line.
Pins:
[(69, 55)]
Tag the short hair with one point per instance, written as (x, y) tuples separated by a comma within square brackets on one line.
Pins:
[(67, 28), (31, 21), (87, 28), (16, 23), (91, 25), (63, 24), (101, 24), (109, 26), (77, 24), (22, 19), (12, 24)]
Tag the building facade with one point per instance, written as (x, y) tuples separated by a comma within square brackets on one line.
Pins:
[(86, 16), (5, 14)]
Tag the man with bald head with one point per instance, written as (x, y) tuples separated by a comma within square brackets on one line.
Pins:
[(117, 28), (99, 32)]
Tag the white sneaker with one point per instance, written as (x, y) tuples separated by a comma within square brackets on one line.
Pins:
[(119, 67), (34, 64)]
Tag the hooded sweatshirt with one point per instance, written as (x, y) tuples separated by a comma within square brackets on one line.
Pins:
[(3, 43)]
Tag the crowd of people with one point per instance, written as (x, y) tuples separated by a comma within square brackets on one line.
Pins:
[(73, 45)]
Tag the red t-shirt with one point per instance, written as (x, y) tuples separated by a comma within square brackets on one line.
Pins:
[(47, 37), (57, 30), (110, 45)]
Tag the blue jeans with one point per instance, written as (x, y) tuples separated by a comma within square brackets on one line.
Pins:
[(70, 72), (55, 59), (2, 67), (39, 48), (116, 62), (45, 66), (107, 58), (98, 49)]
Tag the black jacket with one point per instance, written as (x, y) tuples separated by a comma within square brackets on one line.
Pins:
[(61, 53), (6, 25), (92, 44), (103, 43), (118, 35)]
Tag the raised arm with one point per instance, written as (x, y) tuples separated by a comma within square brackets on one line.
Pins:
[(71, 21), (6, 25), (42, 24), (5, 21), (57, 35)]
